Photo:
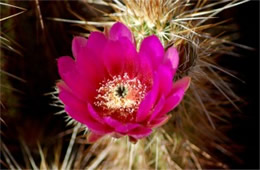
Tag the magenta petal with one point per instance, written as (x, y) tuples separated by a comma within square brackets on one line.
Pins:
[(70, 100), (176, 95), (96, 43), (119, 30), (89, 61), (93, 137), (96, 127), (78, 111), (148, 102), (83, 117), (90, 71), (173, 101), (145, 69), (183, 83), (127, 127), (75, 114), (63, 86), (120, 57), (157, 108), (79, 83), (69, 73), (144, 108), (152, 47), (94, 114), (113, 58), (139, 133), (172, 57), (165, 76), (159, 122), (129, 57), (119, 127), (78, 44), (66, 65), (112, 122), (170, 103)]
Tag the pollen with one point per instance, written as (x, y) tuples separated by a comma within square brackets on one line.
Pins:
[(120, 96)]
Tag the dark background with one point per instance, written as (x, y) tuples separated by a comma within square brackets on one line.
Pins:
[(245, 129)]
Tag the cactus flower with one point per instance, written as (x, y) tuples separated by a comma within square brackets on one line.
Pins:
[(114, 89)]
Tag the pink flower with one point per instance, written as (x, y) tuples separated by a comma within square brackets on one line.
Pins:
[(113, 89)]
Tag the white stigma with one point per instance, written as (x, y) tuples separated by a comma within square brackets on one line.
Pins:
[(120, 94)]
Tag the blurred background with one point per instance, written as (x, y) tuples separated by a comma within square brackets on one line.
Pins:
[(31, 42)]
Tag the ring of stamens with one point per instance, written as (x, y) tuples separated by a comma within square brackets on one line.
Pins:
[(120, 95)]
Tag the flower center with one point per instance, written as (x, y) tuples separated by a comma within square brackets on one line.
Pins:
[(120, 97), (121, 91)]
